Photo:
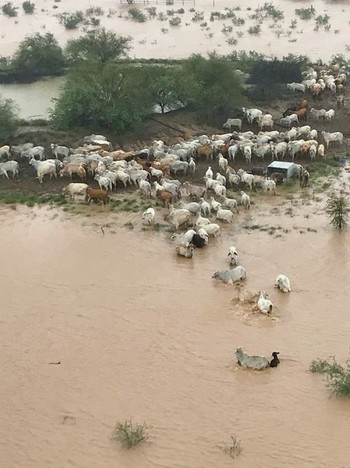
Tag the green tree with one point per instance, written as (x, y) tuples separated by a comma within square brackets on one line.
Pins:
[(39, 54), (99, 45), (338, 209), (216, 87), (168, 86), (110, 96), (8, 116)]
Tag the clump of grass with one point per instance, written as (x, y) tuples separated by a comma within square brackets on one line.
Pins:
[(130, 434), (137, 15), (233, 448), (129, 225), (338, 376), (71, 20)]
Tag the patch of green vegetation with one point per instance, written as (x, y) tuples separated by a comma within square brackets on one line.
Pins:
[(28, 7), (71, 20), (9, 10), (338, 376), (130, 434), (305, 13), (31, 199), (129, 225), (137, 15), (324, 168)]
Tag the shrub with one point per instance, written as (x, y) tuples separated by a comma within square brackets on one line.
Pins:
[(198, 16), (95, 11), (180, 11), (9, 10), (231, 41), (137, 15), (71, 20), (38, 54), (152, 12), (8, 117), (227, 29), (98, 45), (95, 21), (254, 30), (130, 434), (322, 20), (162, 16), (305, 13), (338, 209), (338, 376), (28, 7), (175, 21)]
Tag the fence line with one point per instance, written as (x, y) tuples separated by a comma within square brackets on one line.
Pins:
[(158, 2)]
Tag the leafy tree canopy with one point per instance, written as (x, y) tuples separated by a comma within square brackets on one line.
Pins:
[(112, 96), (99, 45), (217, 86), (8, 115), (39, 54)]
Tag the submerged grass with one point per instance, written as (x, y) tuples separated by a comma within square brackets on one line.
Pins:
[(130, 434), (233, 448), (338, 376)]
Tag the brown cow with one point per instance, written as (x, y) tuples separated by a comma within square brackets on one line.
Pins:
[(166, 197), (302, 114), (303, 104), (96, 194), (204, 151)]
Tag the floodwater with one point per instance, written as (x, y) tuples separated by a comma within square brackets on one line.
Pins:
[(143, 334), (157, 39), (33, 100), (149, 41)]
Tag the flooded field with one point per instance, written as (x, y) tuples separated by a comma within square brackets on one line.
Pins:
[(196, 32), (142, 333)]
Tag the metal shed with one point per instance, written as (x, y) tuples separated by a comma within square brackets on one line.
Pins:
[(287, 169)]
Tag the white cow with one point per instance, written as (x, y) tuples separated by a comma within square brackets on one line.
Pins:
[(282, 282)]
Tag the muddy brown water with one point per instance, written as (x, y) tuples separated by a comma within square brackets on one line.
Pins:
[(142, 333)]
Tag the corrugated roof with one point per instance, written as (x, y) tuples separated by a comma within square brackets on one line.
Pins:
[(281, 164)]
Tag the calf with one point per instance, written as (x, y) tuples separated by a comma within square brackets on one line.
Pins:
[(96, 194)]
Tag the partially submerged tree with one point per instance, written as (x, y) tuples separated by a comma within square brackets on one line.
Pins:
[(168, 86), (99, 45), (215, 85), (108, 96), (8, 115), (39, 55), (338, 209), (338, 376)]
